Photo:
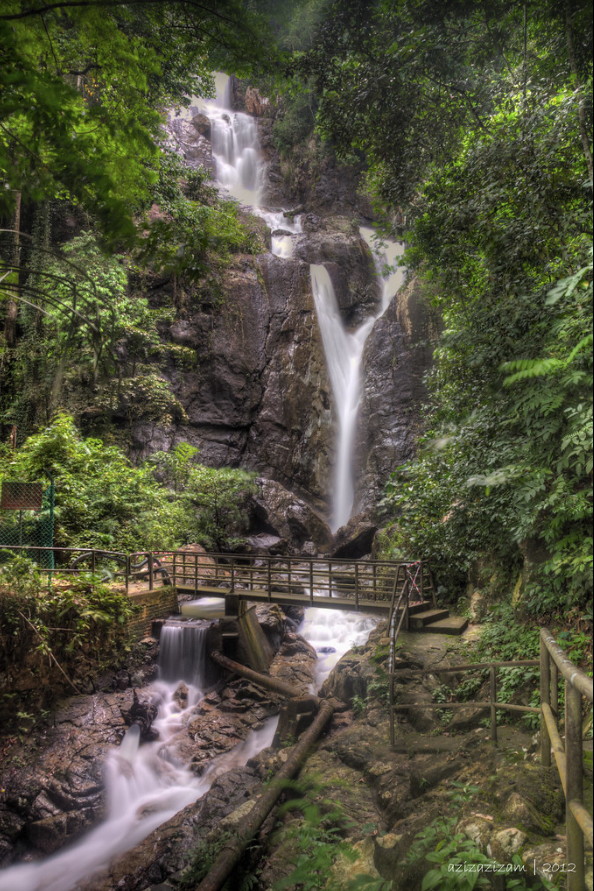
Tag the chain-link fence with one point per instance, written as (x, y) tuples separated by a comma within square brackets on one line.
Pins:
[(27, 519)]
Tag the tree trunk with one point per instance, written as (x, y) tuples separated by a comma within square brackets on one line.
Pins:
[(232, 851), (10, 321), (578, 89)]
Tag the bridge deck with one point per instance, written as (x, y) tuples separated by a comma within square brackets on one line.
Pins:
[(292, 599)]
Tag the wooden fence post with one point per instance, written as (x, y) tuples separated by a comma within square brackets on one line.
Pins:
[(545, 696), (574, 759), (493, 696)]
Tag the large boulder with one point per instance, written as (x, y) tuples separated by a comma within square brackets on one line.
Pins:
[(355, 540), (350, 265), (289, 516)]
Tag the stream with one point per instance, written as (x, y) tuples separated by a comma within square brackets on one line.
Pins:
[(147, 784)]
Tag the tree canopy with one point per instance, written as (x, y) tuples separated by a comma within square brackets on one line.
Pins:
[(84, 86)]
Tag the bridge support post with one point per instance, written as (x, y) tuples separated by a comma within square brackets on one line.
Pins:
[(231, 604)]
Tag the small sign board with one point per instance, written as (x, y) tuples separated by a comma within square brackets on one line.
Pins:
[(21, 496)]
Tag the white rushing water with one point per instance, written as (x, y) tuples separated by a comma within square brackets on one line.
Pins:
[(344, 353), (332, 633), (145, 785), (239, 167)]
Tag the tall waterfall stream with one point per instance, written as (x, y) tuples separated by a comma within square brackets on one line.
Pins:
[(146, 785), (240, 173)]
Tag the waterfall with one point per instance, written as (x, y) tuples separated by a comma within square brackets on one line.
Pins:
[(239, 167), (332, 633), (183, 655), (385, 256), (239, 172), (344, 354), (144, 785)]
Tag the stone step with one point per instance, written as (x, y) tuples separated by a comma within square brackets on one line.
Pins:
[(451, 625), (415, 608), (426, 617)]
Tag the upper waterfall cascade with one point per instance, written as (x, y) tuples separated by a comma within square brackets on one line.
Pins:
[(239, 167), (240, 173)]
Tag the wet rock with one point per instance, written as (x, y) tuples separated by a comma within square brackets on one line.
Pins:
[(350, 266), (142, 715), (387, 852), (350, 678), (506, 843), (295, 663), (192, 143), (272, 622), (397, 355), (477, 830), (535, 857), (255, 103), (202, 124), (266, 544), (355, 540), (122, 680), (345, 870), (279, 509)]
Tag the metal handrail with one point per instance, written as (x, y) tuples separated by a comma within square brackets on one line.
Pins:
[(364, 582)]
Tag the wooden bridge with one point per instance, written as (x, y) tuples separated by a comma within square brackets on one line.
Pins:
[(372, 586)]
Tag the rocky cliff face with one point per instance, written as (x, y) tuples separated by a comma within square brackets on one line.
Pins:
[(259, 395)]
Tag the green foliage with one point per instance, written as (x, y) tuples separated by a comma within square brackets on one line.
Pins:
[(88, 339), (76, 625), (506, 457), (295, 126), (104, 502), (195, 230), (460, 865), (503, 639), (82, 87), (476, 132), (316, 839), (216, 498)]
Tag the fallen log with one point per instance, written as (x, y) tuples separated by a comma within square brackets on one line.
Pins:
[(232, 850), (263, 680)]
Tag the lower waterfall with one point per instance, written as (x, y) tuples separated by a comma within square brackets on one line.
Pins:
[(145, 785), (183, 655)]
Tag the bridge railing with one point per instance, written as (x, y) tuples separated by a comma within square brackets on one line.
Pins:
[(306, 577), (108, 565), (313, 579)]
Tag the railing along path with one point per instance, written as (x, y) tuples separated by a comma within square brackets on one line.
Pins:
[(569, 758)]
